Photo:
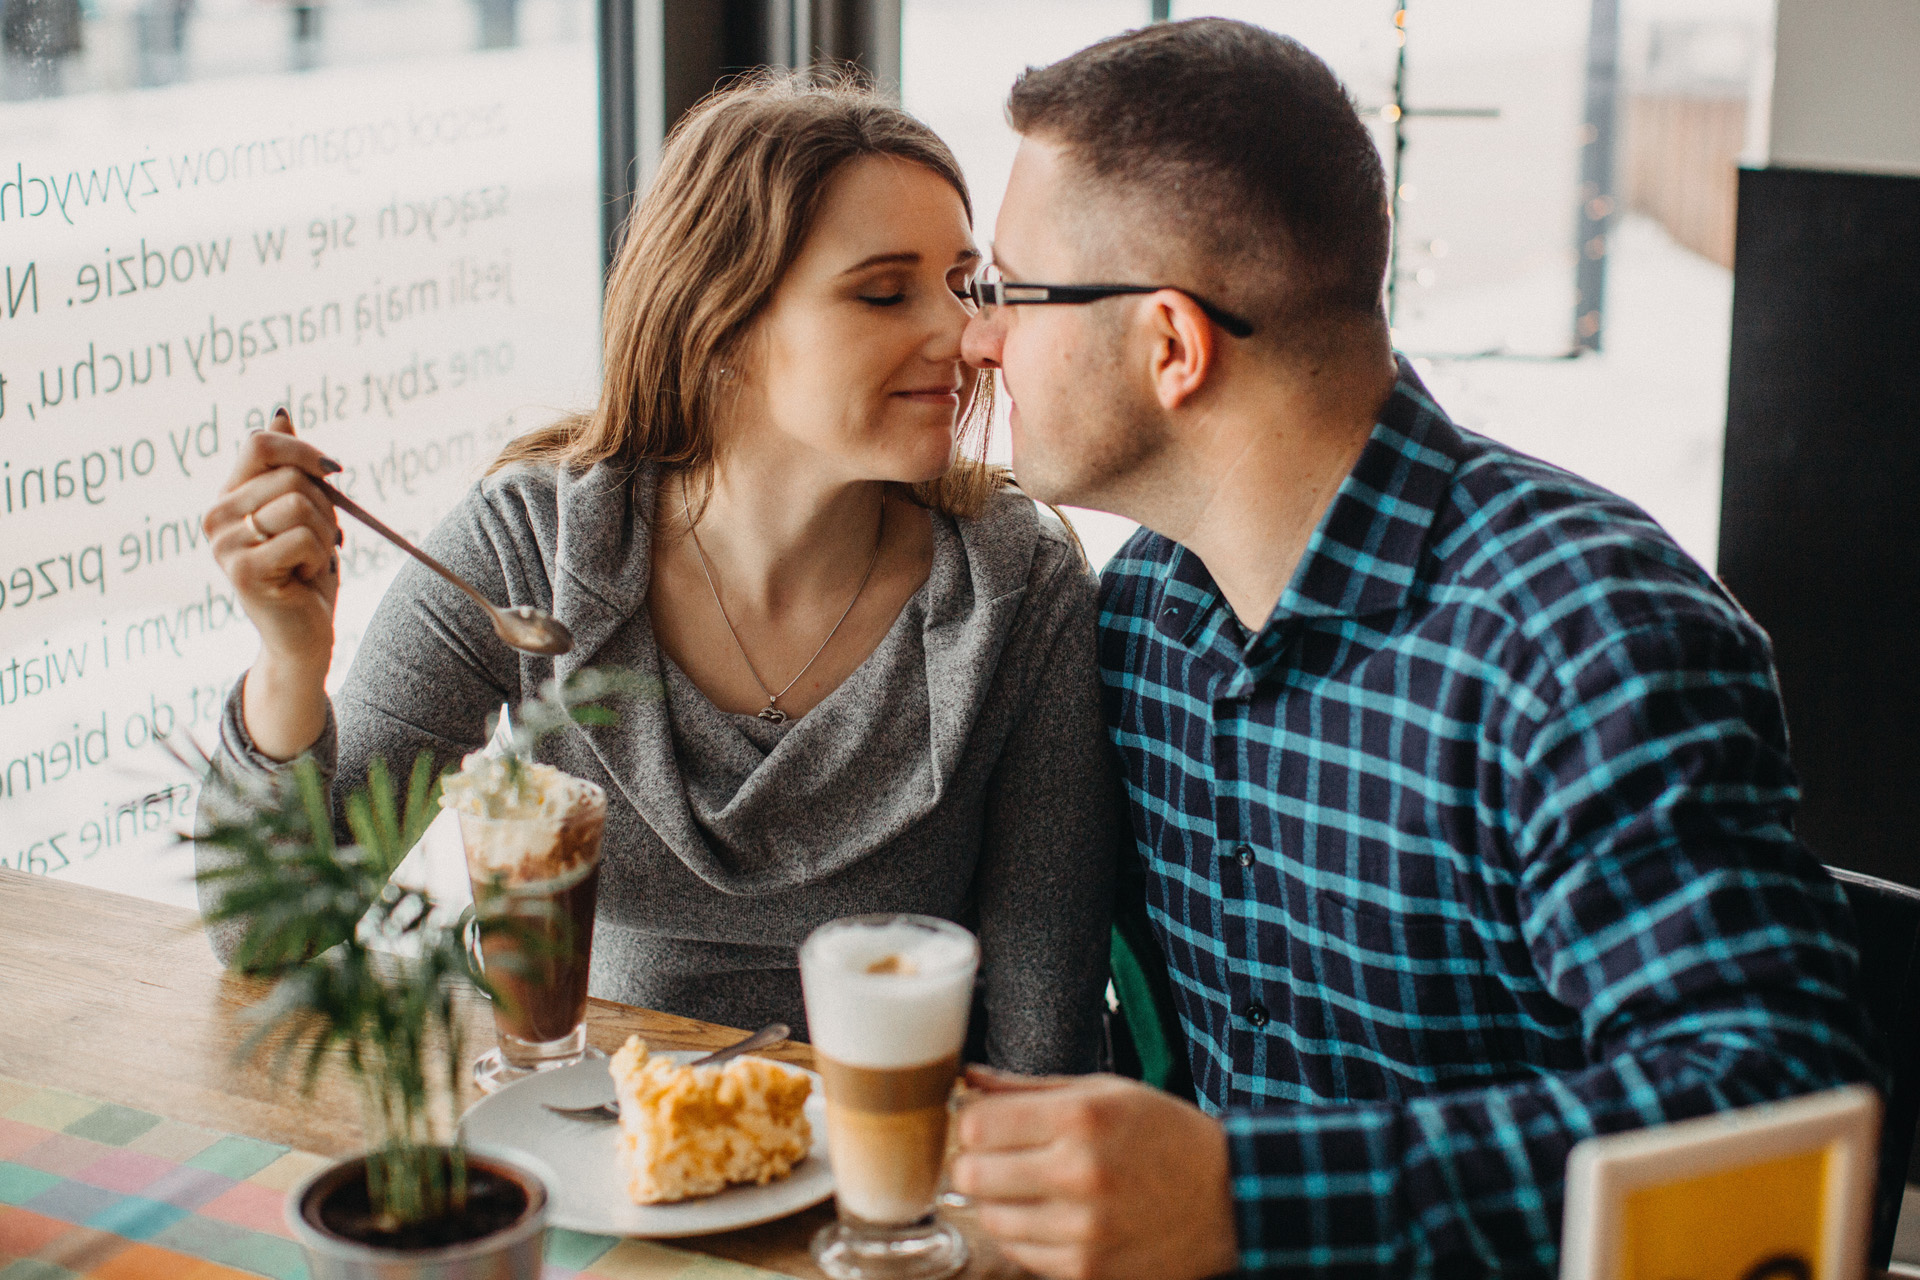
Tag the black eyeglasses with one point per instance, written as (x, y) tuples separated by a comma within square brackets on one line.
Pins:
[(1000, 293)]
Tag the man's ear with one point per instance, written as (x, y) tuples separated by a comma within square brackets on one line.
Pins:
[(1183, 347)]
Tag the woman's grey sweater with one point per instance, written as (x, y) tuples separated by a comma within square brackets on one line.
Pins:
[(961, 771)]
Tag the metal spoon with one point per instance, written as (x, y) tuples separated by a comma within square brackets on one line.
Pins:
[(605, 1112), (524, 627)]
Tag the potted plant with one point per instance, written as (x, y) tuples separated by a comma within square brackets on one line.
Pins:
[(416, 1202)]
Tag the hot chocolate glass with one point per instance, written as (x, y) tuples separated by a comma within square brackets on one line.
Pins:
[(532, 837)]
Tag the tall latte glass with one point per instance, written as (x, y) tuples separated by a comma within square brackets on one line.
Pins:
[(532, 837), (887, 1001)]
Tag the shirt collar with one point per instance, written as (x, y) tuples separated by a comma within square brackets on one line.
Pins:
[(1363, 556)]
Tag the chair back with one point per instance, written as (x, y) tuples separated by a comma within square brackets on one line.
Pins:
[(1144, 1039), (1887, 916)]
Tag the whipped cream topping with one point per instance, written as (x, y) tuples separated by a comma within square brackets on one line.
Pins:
[(524, 823), (493, 785)]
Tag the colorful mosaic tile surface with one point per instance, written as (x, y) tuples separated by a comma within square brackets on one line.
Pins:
[(90, 1189)]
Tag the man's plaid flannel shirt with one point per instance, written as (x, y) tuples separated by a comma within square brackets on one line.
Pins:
[(1479, 847)]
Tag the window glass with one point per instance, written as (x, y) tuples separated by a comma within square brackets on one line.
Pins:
[(382, 214)]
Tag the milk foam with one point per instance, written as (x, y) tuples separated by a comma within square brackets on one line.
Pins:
[(912, 1015)]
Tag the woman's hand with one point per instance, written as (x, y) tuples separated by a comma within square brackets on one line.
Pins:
[(275, 537)]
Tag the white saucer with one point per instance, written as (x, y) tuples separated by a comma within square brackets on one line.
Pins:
[(588, 1185)]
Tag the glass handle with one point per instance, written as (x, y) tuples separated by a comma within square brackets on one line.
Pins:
[(476, 959), (957, 1102)]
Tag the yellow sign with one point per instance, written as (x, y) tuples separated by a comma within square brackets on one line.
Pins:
[(1778, 1191), (1726, 1225)]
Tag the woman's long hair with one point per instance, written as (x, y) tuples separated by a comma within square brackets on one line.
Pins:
[(740, 180)]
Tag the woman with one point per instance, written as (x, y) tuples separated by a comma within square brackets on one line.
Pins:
[(879, 690)]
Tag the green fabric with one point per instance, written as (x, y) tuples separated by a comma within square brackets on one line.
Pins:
[(115, 1126), (19, 1184), (237, 1157), (1146, 1022)]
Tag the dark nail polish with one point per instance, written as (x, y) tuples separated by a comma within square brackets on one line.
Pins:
[(329, 467), (333, 564), (282, 413)]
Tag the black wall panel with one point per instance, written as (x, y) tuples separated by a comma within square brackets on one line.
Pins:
[(1820, 510)]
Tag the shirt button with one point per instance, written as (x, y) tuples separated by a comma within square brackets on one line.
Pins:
[(1244, 852), (1257, 1014)]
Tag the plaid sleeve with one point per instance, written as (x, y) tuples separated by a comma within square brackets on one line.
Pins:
[(1664, 899)]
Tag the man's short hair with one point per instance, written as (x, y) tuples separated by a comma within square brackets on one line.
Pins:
[(1239, 142)]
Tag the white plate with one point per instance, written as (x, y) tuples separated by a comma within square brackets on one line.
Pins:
[(589, 1187)]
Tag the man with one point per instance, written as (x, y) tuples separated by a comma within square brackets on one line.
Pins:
[(1460, 794)]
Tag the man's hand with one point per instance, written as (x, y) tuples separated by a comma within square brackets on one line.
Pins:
[(1096, 1178)]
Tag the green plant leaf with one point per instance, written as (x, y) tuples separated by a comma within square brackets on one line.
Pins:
[(299, 899)]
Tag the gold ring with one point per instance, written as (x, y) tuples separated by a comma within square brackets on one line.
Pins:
[(259, 535)]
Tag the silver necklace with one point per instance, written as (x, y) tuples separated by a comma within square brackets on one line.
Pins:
[(770, 712)]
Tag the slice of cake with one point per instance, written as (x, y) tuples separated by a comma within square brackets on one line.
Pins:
[(691, 1131)]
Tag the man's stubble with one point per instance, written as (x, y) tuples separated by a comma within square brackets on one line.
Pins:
[(1101, 437)]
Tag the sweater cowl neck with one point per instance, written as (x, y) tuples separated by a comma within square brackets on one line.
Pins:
[(874, 757)]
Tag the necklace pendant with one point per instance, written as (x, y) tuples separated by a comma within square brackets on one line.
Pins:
[(772, 714)]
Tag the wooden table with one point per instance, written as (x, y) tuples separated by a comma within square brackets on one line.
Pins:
[(121, 999)]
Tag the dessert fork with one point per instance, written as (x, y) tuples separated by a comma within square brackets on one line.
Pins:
[(607, 1112)]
